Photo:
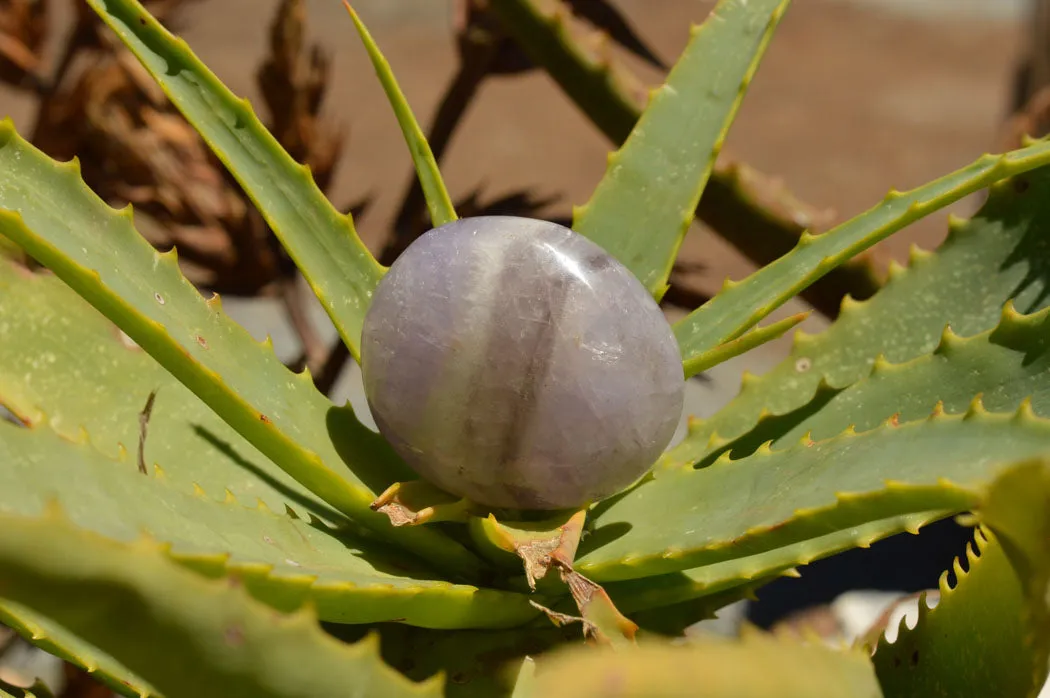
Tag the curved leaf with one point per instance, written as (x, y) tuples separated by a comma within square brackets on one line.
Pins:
[(1017, 508), (755, 214), (52, 638), (746, 342), (806, 501), (754, 666), (51, 339), (1005, 366), (98, 252), (644, 204), (185, 634), (321, 240), (998, 255), (438, 201), (282, 560), (740, 305), (971, 643), (38, 690), (478, 663)]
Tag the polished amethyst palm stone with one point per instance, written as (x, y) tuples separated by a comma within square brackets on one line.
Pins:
[(514, 362)]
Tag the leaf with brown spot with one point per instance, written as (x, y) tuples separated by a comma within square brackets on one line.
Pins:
[(418, 502), (537, 543)]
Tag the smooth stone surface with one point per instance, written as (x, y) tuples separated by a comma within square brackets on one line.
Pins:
[(514, 362)]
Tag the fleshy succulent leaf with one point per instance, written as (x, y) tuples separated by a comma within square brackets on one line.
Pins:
[(1017, 509), (535, 544), (191, 444), (98, 252), (604, 92), (645, 203), (997, 256), (989, 633), (1006, 366), (971, 642), (37, 690), (322, 241), (438, 201), (741, 204), (284, 561), (54, 639), (749, 667), (746, 342), (740, 305), (478, 663), (129, 599), (777, 509), (675, 619)]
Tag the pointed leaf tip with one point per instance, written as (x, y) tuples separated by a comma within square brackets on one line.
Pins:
[(438, 201), (643, 206), (321, 240)]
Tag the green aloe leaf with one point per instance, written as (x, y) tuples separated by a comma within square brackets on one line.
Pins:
[(989, 633), (113, 378), (321, 240), (282, 560), (674, 619), (971, 643), (38, 690), (742, 205), (438, 201), (740, 305), (478, 663), (98, 252), (754, 666), (746, 342), (1005, 366), (997, 256), (56, 640), (644, 204), (1017, 509), (776, 509), (186, 635)]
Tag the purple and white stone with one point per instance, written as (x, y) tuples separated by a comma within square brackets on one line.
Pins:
[(514, 362)]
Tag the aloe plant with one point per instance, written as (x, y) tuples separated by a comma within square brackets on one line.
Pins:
[(182, 515)]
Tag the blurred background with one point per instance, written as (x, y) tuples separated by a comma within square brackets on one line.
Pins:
[(854, 97)]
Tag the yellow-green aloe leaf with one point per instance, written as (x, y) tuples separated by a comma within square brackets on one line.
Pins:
[(754, 666), (54, 639), (285, 561), (185, 634), (477, 663), (746, 342), (438, 201), (971, 642), (1017, 509), (996, 256), (644, 204), (704, 589), (37, 690), (777, 509), (740, 305), (51, 339), (747, 208), (1006, 366), (48, 210), (321, 240), (674, 619)]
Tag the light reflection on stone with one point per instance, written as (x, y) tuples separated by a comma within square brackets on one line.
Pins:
[(516, 363)]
